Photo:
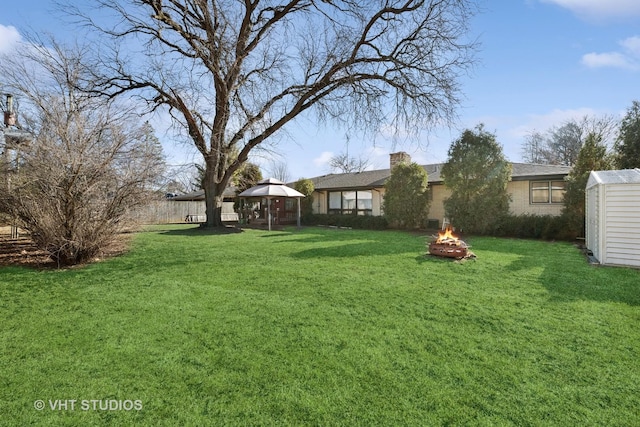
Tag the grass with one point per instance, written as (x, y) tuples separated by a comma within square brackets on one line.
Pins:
[(322, 327)]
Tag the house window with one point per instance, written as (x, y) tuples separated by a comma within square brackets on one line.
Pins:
[(348, 201), (547, 191), (351, 202), (335, 200)]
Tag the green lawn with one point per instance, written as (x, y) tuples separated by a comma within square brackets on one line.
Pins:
[(322, 327)]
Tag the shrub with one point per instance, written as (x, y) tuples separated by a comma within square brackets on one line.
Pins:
[(353, 221), (531, 226), (87, 161), (306, 187), (406, 197), (477, 173)]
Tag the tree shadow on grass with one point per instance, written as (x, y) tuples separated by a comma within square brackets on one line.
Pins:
[(594, 283), (201, 231), (352, 245), (347, 243), (366, 248), (566, 272)]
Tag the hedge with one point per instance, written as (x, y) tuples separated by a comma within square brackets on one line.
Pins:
[(352, 221)]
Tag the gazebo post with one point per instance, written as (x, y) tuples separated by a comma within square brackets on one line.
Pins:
[(269, 212), (298, 198)]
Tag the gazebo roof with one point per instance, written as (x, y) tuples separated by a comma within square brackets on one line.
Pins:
[(270, 188)]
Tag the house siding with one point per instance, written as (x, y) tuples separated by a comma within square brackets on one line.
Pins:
[(518, 188), (521, 203), (378, 198), (436, 210)]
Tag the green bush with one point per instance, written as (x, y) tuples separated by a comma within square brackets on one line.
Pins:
[(352, 221), (406, 197), (532, 226), (526, 226)]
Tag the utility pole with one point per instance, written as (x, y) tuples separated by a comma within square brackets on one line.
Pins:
[(10, 120)]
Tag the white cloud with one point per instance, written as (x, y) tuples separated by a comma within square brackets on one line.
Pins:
[(608, 59), (629, 58), (323, 159), (376, 156), (9, 37), (544, 122), (632, 45), (599, 10)]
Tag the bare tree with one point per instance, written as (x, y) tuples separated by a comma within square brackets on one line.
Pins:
[(604, 128), (233, 73), (278, 169), (533, 148), (89, 162), (562, 144), (181, 178), (345, 164)]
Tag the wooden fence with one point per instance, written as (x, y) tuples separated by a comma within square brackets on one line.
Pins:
[(169, 212)]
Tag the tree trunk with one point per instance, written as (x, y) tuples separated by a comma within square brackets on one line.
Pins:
[(213, 197), (213, 201)]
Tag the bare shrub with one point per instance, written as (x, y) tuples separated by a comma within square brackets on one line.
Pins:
[(89, 160)]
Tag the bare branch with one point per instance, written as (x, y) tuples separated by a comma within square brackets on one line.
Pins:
[(236, 72)]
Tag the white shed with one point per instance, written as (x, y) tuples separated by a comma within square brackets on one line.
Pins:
[(613, 216)]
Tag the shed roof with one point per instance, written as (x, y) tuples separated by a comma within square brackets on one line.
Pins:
[(621, 176)]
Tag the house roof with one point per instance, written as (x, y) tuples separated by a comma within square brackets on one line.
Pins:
[(377, 178)]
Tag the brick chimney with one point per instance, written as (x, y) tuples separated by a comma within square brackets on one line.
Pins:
[(397, 158)]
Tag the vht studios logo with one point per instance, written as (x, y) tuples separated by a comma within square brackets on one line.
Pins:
[(88, 405)]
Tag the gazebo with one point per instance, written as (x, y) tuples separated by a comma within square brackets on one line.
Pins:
[(272, 188)]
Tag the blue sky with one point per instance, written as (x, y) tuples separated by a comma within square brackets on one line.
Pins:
[(541, 63)]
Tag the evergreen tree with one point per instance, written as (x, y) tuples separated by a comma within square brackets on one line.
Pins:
[(306, 187), (406, 197), (628, 144), (246, 177), (592, 156), (477, 174)]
